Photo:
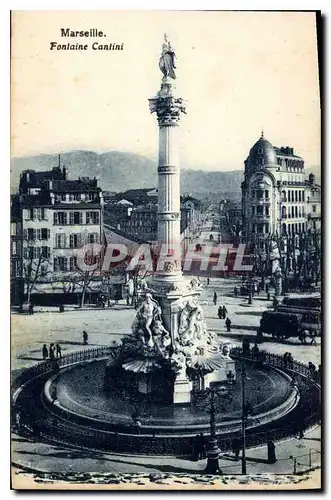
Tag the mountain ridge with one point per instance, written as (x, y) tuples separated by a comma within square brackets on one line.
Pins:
[(119, 171)]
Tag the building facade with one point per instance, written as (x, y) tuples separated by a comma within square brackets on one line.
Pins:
[(277, 199), (52, 217)]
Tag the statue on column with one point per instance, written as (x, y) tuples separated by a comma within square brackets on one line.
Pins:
[(167, 60)]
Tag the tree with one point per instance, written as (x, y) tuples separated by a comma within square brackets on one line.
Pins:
[(34, 269)]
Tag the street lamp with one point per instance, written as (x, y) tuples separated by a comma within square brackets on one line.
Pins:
[(246, 410), (207, 397)]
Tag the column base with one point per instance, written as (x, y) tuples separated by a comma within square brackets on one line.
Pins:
[(182, 389)]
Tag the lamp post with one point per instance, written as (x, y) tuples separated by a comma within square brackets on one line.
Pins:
[(243, 419), (207, 397)]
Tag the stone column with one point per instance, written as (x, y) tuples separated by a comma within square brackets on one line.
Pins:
[(168, 108)]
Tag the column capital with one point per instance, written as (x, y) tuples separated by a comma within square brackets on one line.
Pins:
[(168, 109)]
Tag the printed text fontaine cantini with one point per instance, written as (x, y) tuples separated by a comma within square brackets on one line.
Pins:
[(73, 44)]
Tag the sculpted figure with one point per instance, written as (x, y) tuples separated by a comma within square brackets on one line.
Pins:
[(146, 313), (167, 59), (161, 338)]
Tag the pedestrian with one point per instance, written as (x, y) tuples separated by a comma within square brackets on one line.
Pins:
[(290, 360), (208, 280), (51, 351), (31, 311), (44, 351), (61, 308), (313, 337), (268, 296), (85, 337), (220, 312), (255, 351), (300, 430), (228, 324), (225, 312), (304, 334), (58, 351), (236, 445), (259, 336), (18, 420), (271, 452), (275, 302), (202, 446), (215, 298), (195, 447), (235, 291), (266, 288), (245, 347)]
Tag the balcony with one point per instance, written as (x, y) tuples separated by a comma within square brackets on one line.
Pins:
[(262, 201)]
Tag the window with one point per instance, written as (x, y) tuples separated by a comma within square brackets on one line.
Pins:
[(267, 228), (29, 253), (253, 228), (296, 195), (253, 210), (283, 212), (60, 218), (259, 210), (45, 252), (75, 240), (60, 264), (267, 211), (292, 210), (303, 196), (45, 234), (296, 212), (43, 268), (63, 197), (253, 193), (92, 218), (266, 194), (76, 218), (314, 208), (93, 238), (292, 196), (299, 195), (259, 194), (73, 263), (31, 234), (260, 228), (60, 240)]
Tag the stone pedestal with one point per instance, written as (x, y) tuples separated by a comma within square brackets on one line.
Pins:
[(220, 375), (182, 389), (144, 385)]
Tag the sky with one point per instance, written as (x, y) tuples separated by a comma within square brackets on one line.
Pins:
[(240, 72)]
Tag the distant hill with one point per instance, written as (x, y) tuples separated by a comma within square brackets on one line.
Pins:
[(120, 171)]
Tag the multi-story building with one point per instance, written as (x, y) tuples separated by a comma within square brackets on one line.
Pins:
[(276, 197), (52, 217)]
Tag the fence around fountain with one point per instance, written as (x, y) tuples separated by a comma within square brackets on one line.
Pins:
[(154, 444)]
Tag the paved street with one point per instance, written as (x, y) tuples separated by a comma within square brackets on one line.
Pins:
[(106, 326)]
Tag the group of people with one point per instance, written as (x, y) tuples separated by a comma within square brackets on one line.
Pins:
[(53, 352), (222, 313)]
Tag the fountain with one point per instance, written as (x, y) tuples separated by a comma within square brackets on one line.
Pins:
[(170, 347)]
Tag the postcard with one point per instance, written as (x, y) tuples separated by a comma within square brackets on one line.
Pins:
[(166, 250)]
